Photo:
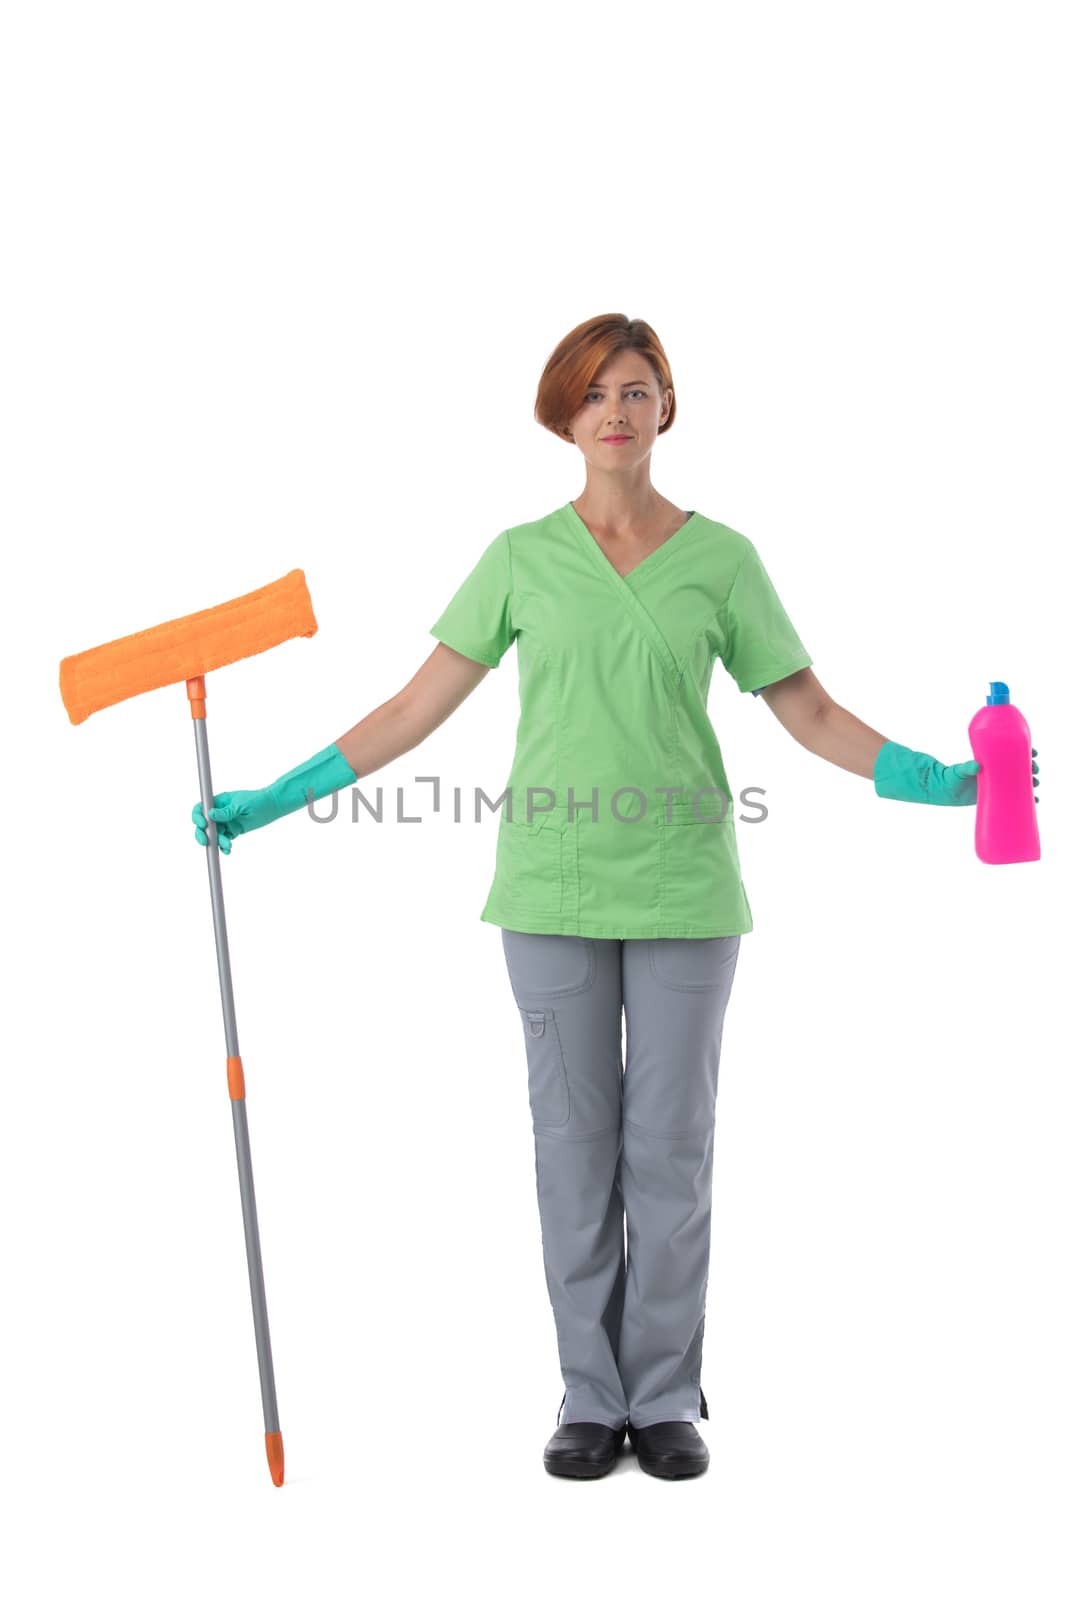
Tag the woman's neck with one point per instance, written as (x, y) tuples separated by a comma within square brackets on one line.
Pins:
[(622, 509)]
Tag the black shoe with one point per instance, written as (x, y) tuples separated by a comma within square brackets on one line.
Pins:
[(584, 1449), (670, 1449)]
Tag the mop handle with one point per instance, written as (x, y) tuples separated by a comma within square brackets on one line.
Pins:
[(197, 693)]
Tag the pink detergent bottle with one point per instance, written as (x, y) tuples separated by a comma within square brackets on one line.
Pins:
[(1005, 829)]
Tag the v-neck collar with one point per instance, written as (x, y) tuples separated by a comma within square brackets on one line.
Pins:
[(644, 566)]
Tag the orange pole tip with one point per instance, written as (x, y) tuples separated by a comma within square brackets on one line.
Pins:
[(276, 1458)]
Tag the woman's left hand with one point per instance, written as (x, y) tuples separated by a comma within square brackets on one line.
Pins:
[(962, 795), (903, 774)]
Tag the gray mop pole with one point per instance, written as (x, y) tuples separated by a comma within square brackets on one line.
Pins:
[(235, 1080)]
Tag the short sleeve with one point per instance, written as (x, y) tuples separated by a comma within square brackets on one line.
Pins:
[(477, 619), (761, 644)]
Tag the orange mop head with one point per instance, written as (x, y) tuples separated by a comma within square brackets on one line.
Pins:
[(174, 652)]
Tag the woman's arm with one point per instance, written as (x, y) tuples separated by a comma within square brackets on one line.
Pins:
[(442, 683), (816, 721)]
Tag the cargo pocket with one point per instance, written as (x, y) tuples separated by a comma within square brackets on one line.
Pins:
[(550, 1096)]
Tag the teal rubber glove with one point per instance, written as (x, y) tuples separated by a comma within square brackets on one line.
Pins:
[(238, 811), (903, 774)]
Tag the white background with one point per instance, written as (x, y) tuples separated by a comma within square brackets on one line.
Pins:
[(279, 285)]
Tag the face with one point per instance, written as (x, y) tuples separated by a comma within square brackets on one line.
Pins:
[(623, 399)]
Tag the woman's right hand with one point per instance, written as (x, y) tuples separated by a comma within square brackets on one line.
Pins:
[(234, 812)]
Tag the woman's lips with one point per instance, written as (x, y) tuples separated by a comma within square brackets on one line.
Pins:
[(618, 439)]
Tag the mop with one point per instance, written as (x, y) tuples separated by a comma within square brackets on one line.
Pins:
[(184, 651)]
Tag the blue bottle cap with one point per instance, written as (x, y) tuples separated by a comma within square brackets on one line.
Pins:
[(1000, 695)]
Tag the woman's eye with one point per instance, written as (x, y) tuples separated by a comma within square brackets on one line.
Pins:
[(594, 392)]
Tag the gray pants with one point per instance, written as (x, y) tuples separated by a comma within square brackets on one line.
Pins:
[(609, 1142)]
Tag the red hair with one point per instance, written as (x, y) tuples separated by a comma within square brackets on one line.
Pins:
[(574, 363)]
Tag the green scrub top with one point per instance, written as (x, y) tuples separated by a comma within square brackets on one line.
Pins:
[(621, 821)]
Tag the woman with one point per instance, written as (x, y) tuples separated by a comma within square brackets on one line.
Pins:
[(617, 884)]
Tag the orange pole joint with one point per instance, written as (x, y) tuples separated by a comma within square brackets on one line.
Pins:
[(235, 1077)]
